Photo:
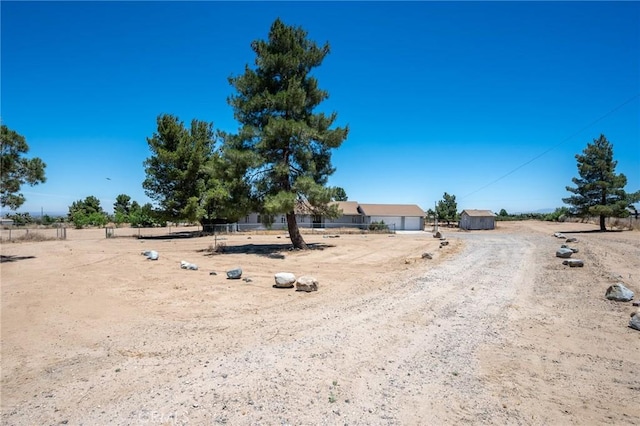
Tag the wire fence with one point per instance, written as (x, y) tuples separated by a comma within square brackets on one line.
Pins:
[(63, 232)]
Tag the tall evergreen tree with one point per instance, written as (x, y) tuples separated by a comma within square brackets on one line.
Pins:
[(447, 208), (287, 145), (599, 191)]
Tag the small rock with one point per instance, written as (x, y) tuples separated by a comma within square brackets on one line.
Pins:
[(306, 283), (564, 253), (619, 293), (573, 263), (151, 254), (437, 235), (444, 243), (213, 273), (571, 240), (427, 256), (247, 280), (636, 303), (190, 266), (234, 274), (285, 280), (559, 235), (635, 320)]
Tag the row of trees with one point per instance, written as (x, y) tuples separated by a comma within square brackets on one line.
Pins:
[(598, 191), (279, 160), (89, 212)]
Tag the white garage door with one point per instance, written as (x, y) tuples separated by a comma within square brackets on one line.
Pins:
[(393, 222), (412, 224)]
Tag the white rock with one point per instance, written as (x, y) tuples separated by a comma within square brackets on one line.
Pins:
[(285, 280), (306, 283)]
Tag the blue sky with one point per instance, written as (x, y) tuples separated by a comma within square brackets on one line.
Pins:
[(439, 97)]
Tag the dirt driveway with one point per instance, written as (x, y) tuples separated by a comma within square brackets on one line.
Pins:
[(492, 330)]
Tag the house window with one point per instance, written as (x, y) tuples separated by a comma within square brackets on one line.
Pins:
[(283, 219)]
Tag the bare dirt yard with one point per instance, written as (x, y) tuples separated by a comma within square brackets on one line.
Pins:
[(492, 330)]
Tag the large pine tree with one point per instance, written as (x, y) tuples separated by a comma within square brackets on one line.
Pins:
[(290, 145), (599, 191)]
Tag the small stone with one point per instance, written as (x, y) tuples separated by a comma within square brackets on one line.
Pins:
[(619, 293), (234, 274), (438, 234), (635, 321), (444, 243), (151, 254), (213, 273), (636, 303), (306, 283), (571, 240), (574, 263), (284, 280), (190, 266), (247, 280), (564, 253), (427, 256)]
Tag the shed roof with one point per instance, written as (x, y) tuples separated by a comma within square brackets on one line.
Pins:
[(349, 208), (391, 210), (479, 213)]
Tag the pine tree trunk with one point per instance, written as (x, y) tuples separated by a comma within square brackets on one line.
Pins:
[(603, 227), (294, 232)]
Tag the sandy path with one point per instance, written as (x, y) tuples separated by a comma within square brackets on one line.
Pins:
[(473, 337)]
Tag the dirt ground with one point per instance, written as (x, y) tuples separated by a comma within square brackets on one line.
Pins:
[(492, 330)]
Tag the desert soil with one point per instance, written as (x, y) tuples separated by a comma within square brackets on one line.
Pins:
[(492, 330)]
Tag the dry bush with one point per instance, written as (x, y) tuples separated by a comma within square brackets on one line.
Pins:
[(32, 237)]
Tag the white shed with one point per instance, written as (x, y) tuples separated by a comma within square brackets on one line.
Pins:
[(477, 219)]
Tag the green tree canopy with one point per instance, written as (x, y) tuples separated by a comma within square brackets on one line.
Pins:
[(447, 208), (15, 169), (122, 204), (599, 191), (188, 176), (285, 144), (87, 212), (339, 194)]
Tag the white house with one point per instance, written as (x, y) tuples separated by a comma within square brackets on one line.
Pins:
[(354, 215)]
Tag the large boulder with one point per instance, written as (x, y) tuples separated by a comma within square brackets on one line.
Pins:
[(306, 283), (564, 253), (151, 254), (619, 293), (234, 274), (285, 280), (573, 263), (635, 320)]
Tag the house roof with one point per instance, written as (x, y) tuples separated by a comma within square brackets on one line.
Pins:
[(479, 213), (391, 210), (349, 208)]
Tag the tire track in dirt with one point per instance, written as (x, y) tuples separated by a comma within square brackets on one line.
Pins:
[(388, 357)]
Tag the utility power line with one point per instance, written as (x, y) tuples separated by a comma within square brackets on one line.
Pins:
[(565, 140)]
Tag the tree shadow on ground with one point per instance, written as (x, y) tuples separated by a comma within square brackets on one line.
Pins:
[(273, 251), (593, 231), (175, 235), (4, 258)]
